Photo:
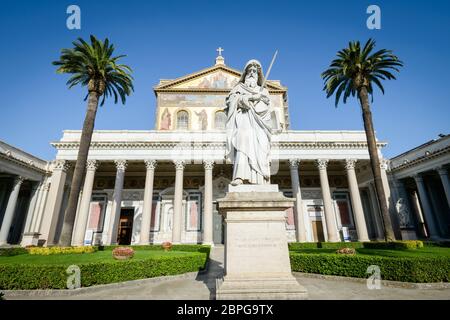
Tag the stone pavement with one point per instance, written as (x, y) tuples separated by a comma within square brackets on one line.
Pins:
[(201, 286)]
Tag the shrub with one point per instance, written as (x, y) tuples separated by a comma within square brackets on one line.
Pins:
[(175, 247), (122, 253), (60, 250), (445, 244), (339, 245), (303, 245), (8, 252), (406, 269), (324, 245), (394, 245), (23, 276)]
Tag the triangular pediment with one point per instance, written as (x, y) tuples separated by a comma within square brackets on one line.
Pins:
[(217, 78)]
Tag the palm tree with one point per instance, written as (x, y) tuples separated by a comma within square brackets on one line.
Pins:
[(355, 71), (91, 65)]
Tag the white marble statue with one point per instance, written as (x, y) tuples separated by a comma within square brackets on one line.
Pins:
[(403, 213), (249, 127)]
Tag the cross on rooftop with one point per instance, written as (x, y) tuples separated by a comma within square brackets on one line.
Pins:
[(219, 50)]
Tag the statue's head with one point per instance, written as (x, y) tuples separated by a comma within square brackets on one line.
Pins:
[(252, 74)]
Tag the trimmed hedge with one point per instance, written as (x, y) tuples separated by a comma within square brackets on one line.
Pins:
[(324, 245), (9, 252), (394, 245), (444, 244), (176, 247), (406, 269), (25, 276)]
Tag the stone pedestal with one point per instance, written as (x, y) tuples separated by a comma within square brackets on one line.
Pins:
[(408, 234), (30, 239), (257, 264)]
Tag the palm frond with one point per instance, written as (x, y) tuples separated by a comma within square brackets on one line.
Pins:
[(95, 62), (355, 67)]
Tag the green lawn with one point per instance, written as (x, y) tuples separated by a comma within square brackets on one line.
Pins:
[(425, 252), (78, 258)]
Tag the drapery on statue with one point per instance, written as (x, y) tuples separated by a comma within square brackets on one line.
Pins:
[(248, 127)]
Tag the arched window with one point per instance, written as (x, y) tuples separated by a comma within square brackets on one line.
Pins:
[(220, 120), (182, 120)]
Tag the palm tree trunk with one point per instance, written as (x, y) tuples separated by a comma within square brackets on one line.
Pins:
[(375, 164), (80, 170)]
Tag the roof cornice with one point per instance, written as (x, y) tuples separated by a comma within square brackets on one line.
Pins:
[(167, 86)]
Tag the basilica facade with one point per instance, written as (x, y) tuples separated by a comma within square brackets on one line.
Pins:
[(161, 185)]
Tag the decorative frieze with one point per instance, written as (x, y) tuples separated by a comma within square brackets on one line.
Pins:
[(132, 195), (155, 145)]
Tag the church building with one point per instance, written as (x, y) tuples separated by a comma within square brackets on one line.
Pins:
[(152, 186)]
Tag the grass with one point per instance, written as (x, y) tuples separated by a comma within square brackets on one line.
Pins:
[(425, 252), (79, 258)]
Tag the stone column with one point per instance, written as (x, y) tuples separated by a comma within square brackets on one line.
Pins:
[(32, 210), (178, 201), (83, 214), (54, 201), (358, 213), (300, 230), (427, 211), (37, 220), (330, 218), (10, 209), (418, 210), (121, 166), (445, 182), (208, 203), (148, 202)]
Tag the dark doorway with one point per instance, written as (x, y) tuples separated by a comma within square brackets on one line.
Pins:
[(317, 228), (125, 226)]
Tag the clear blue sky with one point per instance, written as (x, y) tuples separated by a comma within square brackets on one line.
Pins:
[(168, 39)]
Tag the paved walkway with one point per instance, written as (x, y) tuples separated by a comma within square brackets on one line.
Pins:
[(198, 286)]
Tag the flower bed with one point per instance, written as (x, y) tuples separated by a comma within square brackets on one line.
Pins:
[(346, 251), (60, 250)]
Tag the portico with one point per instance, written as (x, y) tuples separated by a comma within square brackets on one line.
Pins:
[(151, 186), (182, 185), (420, 185)]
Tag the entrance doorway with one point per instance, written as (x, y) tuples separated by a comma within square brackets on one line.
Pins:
[(317, 228), (125, 226)]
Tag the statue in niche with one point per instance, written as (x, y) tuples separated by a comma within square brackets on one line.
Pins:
[(248, 127), (203, 119), (165, 120), (169, 219), (403, 213)]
